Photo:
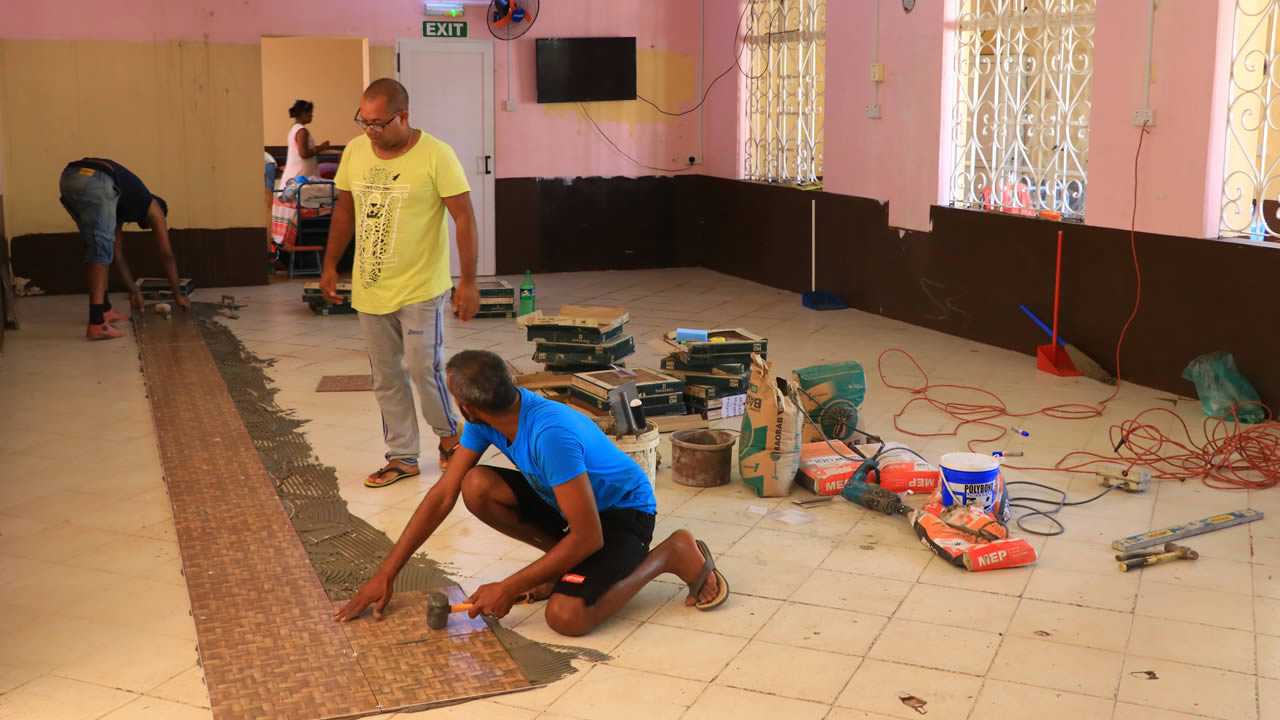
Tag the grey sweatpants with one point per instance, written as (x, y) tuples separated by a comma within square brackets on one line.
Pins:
[(405, 345)]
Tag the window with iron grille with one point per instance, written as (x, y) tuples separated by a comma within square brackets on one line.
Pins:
[(1251, 180), (1020, 123), (784, 62)]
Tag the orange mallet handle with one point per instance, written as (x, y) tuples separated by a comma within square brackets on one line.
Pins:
[(524, 599)]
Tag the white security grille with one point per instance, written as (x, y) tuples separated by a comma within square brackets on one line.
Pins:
[(784, 62), (1020, 124), (1251, 181)]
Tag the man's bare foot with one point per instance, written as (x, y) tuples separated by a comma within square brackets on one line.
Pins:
[(687, 563), (542, 592)]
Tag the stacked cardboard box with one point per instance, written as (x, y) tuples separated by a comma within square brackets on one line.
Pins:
[(497, 299), (314, 299), (580, 338), (715, 372), (158, 288), (660, 394)]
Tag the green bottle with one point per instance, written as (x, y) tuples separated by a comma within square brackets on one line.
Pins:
[(527, 294)]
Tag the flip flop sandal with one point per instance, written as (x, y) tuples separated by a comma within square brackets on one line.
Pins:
[(722, 585), (382, 481), (529, 598)]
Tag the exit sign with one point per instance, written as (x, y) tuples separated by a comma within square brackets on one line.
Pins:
[(443, 29)]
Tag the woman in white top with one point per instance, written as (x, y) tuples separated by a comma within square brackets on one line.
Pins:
[(303, 150)]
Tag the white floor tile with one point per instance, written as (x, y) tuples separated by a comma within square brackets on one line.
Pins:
[(1058, 667), (879, 687), (1189, 689), (790, 671), (825, 618)]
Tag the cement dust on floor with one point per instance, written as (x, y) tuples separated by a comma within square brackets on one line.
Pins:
[(830, 619)]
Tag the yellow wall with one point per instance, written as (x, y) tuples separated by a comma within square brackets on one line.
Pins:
[(4, 146), (183, 115), (382, 62), (329, 71)]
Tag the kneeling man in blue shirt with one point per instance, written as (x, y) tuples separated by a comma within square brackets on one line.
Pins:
[(574, 495)]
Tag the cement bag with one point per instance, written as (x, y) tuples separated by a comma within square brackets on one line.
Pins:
[(830, 395), (769, 449)]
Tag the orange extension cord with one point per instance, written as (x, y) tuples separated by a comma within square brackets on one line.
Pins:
[(1232, 456)]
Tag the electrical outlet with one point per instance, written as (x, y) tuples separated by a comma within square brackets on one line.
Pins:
[(694, 160), (877, 72), (511, 105), (873, 112), (1144, 117)]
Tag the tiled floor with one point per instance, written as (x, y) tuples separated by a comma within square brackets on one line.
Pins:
[(834, 618)]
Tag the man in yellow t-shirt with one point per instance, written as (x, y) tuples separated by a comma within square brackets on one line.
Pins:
[(395, 184)]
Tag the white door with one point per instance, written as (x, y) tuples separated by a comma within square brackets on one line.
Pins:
[(450, 84)]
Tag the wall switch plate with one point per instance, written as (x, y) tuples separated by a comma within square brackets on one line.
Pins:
[(873, 112), (877, 72), (1144, 117), (511, 105)]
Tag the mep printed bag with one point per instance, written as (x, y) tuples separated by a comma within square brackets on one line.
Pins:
[(769, 449), (831, 394)]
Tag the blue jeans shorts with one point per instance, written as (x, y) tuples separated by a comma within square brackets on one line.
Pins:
[(90, 197)]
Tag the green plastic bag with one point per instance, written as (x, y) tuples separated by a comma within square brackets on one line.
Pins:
[(1220, 386), (831, 394)]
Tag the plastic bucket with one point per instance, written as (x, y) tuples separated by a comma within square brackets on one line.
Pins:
[(642, 448), (970, 479), (701, 458)]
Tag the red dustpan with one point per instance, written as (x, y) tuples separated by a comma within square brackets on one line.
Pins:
[(1052, 358)]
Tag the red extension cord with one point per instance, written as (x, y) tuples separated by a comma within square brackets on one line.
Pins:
[(1232, 456)]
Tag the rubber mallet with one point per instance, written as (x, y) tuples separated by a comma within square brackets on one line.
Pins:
[(439, 608), (1171, 552)]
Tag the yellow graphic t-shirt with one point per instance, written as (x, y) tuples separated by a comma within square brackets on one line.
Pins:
[(402, 231)]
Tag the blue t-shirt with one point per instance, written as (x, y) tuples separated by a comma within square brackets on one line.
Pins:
[(555, 444)]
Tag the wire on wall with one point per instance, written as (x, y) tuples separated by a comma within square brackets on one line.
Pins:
[(623, 152), (739, 44)]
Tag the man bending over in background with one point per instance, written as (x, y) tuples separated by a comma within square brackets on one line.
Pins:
[(101, 195)]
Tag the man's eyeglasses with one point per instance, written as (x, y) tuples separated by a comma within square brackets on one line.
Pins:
[(374, 125)]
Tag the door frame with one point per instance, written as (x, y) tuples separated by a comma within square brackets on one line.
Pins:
[(486, 260)]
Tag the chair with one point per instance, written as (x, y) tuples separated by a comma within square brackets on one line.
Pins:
[(310, 226)]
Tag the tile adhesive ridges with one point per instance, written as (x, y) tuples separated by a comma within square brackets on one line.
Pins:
[(344, 549), (261, 599)]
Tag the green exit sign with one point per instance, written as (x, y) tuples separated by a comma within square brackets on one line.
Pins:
[(443, 29)]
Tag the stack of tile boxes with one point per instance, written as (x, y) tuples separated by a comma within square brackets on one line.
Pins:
[(314, 298), (715, 370), (660, 394), (497, 299), (158, 288), (580, 339)]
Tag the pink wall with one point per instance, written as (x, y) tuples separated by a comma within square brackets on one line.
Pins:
[(903, 158), (722, 137), (532, 141), (895, 158), (224, 21), (556, 140), (1180, 175)]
